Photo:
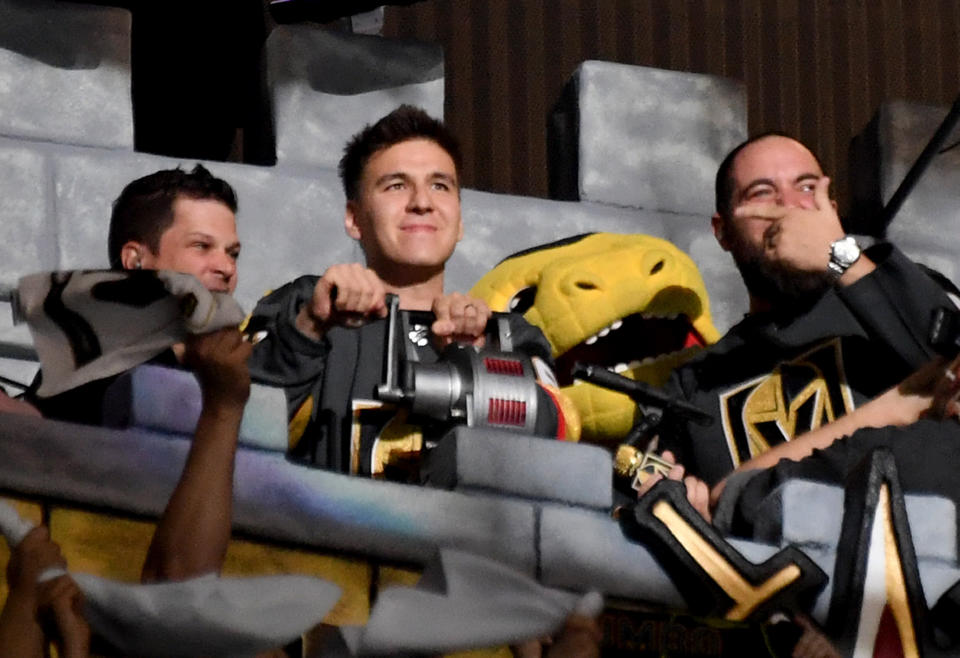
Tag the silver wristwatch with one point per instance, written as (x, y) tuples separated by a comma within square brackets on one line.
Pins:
[(843, 253)]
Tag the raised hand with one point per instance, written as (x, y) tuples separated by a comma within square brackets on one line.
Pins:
[(460, 318)]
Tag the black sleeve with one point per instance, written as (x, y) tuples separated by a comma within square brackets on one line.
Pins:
[(672, 433), (283, 356), (895, 302)]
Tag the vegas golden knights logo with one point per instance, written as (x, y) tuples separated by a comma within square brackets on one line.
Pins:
[(798, 396)]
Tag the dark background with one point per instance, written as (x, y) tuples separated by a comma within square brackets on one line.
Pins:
[(817, 69)]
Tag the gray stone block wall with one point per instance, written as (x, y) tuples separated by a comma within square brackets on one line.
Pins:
[(513, 464), (28, 235), (649, 138), (582, 548), (65, 73), (325, 86)]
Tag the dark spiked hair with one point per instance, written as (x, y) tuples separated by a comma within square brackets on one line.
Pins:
[(404, 123), (144, 209), (724, 185)]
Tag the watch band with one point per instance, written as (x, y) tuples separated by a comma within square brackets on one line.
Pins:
[(843, 253)]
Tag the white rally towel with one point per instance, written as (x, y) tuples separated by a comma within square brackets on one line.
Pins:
[(91, 324), (206, 616), (475, 602)]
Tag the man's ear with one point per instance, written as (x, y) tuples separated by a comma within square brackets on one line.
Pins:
[(350, 221), (719, 230), (132, 254)]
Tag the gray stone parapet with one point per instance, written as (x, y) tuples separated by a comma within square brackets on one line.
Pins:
[(65, 73), (324, 86), (646, 138)]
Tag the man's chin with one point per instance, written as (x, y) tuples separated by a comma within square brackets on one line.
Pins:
[(782, 286)]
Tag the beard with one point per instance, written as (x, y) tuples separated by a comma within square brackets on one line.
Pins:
[(776, 282)]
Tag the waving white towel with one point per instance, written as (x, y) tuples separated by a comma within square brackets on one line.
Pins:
[(91, 324)]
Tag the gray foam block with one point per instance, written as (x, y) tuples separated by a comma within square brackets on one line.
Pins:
[(325, 86), (19, 370), (168, 400), (134, 471), (17, 343), (65, 73), (497, 225), (28, 231), (651, 138), (580, 549), (925, 223), (810, 517), (530, 467)]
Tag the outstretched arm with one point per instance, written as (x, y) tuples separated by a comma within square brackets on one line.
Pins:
[(193, 533), (930, 391)]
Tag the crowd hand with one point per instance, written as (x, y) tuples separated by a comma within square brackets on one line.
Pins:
[(60, 607), (799, 237), (58, 601), (219, 360), (580, 637), (348, 295), (812, 643), (460, 318), (930, 392), (15, 406), (33, 555), (698, 494)]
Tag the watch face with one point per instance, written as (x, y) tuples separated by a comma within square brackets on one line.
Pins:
[(846, 251)]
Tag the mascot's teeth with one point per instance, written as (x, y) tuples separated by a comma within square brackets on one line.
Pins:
[(591, 340), (603, 332), (616, 325), (620, 367)]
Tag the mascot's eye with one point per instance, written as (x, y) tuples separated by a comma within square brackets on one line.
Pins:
[(656, 268), (523, 300)]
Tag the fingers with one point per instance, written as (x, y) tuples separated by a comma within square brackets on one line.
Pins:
[(698, 495), (60, 603), (947, 393), (59, 590), (219, 361), (33, 555), (460, 317), (224, 346), (771, 211), (351, 291), (580, 638)]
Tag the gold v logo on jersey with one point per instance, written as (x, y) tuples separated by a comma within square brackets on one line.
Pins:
[(799, 395)]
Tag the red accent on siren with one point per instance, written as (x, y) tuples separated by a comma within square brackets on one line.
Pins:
[(506, 412), (503, 367)]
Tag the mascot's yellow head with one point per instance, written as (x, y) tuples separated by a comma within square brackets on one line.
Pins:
[(632, 303)]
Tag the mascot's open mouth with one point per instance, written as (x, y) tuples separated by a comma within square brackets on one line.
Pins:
[(636, 340)]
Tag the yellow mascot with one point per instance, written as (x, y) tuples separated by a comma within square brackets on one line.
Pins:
[(632, 303)]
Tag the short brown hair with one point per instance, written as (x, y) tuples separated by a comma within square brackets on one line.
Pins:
[(404, 123), (144, 209)]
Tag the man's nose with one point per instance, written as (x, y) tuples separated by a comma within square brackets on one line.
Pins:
[(420, 199), (225, 265)]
